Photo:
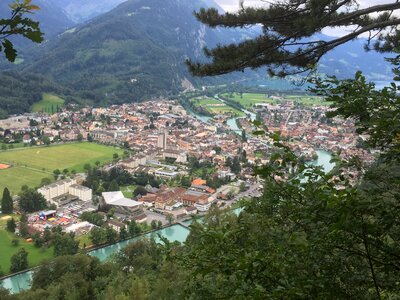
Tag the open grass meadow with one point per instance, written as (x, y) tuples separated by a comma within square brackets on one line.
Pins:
[(49, 104), (249, 99), (30, 165), (35, 256), (215, 106)]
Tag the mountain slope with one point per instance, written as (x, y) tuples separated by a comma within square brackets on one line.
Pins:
[(83, 10), (133, 52)]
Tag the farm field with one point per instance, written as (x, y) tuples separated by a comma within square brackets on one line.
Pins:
[(215, 106), (30, 165), (35, 256), (249, 99), (48, 104)]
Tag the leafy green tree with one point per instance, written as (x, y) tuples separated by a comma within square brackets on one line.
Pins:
[(65, 244), (111, 235), (92, 217), (6, 202), (113, 186), (290, 34), (56, 173), (97, 235), (19, 261), (46, 141), (140, 190), (170, 218), (45, 181), (153, 224), (123, 233), (133, 228), (31, 201)]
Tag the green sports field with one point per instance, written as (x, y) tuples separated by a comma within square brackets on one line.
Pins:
[(48, 104), (30, 165)]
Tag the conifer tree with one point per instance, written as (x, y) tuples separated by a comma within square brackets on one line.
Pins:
[(6, 202), (290, 41)]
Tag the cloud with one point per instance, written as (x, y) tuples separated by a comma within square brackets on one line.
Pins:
[(233, 5)]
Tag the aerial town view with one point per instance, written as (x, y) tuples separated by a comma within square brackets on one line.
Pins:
[(131, 167)]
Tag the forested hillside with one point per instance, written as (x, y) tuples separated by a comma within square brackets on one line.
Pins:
[(134, 52), (18, 91)]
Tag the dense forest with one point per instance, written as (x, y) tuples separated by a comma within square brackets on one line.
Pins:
[(19, 90)]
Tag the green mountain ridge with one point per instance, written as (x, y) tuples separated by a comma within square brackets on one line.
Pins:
[(131, 53)]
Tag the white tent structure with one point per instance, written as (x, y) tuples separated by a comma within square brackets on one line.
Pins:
[(118, 199)]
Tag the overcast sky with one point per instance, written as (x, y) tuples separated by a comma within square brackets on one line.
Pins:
[(233, 5)]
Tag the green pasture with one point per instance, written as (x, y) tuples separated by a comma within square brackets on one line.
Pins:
[(30, 165), (48, 104), (215, 106), (202, 101), (249, 99), (14, 178)]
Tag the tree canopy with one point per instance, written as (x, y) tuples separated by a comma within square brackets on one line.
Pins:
[(290, 41)]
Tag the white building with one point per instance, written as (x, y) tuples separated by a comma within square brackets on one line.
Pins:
[(82, 192), (118, 199), (56, 189), (63, 187)]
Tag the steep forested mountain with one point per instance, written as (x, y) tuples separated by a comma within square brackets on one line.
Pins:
[(133, 52)]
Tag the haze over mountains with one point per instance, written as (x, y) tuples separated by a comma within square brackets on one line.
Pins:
[(137, 49)]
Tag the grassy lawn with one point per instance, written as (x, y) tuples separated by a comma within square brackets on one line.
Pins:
[(15, 177), (307, 100), (128, 190), (215, 106), (30, 165), (35, 256), (84, 240), (48, 104), (249, 99)]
